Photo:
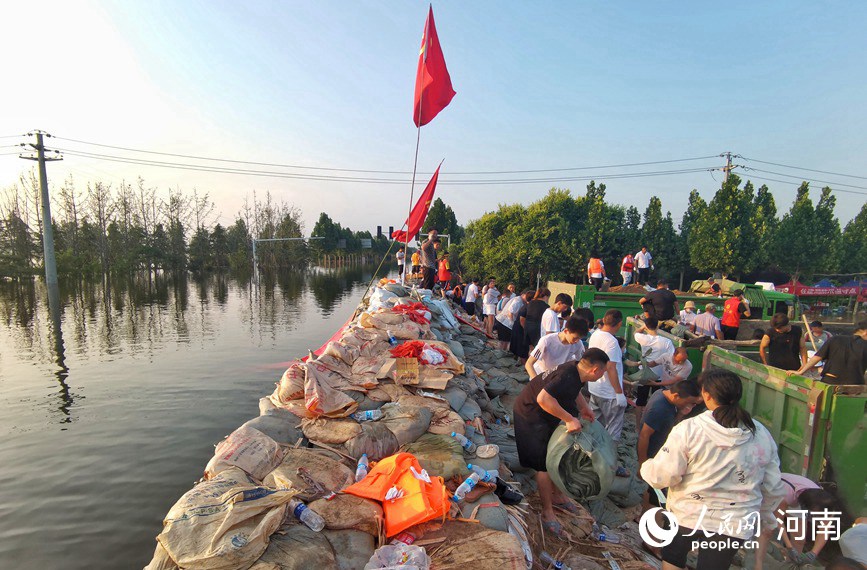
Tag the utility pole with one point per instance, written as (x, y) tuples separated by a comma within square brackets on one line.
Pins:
[(47, 232), (728, 167)]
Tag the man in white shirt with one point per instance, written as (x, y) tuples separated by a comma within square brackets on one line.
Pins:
[(707, 323), (675, 366), (400, 259), (607, 399), (556, 349), (470, 297), (551, 316), (643, 261), (653, 347)]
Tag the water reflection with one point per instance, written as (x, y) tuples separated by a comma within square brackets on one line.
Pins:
[(132, 316)]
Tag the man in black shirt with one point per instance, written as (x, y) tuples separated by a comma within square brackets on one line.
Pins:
[(845, 358), (661, 303), (783, 345), (429, 260), (549, 398)]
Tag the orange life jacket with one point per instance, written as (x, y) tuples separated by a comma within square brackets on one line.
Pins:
[(420, 502), (595, 265), (731, 317)]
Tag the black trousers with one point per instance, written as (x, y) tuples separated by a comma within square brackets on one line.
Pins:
[(428, 277), (708, 558), (643, 275), (729, 333)]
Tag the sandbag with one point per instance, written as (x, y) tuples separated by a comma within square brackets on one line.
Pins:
[(223, 523), (456, 348), (394, 391), (455, 396), (349, 512), (291, 384), (504, 437), (296, 547), (329, 474), (266, 405), (406, 422), (397, 289), (445, 421), (333, 364), (248, 449), (330, 431), (470, 410), (280, 425), (342, 351), (489, 511), (352, 548), (470, 545), (441, 455), (375, 439), (161, 560), (320, 397), (423, 402), (644, 375), (582, 464)]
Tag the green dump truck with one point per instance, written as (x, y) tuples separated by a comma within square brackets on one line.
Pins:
[(763, 304), (820, 429)]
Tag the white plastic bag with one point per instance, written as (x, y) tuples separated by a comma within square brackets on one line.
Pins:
[(401, 556)]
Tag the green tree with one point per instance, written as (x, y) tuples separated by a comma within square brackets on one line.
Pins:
[(200, 250), (659, 236), (239, 246), (602, 229), (442, 218), (219, 247), (854, 243), (764, 223), (719, 240), (808, 239), (328, 230)]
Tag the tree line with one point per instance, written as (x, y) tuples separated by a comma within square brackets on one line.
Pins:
[(104, 229), (737, 233)]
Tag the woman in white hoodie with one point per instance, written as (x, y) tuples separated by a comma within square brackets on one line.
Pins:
[(722, 472)]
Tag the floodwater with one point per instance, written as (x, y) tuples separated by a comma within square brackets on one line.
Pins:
[(106, 425)]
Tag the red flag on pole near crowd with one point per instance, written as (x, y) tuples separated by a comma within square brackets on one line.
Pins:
[(419, 211), (433, 86)]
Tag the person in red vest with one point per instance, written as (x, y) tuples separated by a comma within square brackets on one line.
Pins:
[(596, 270), (627, 266), (734, 310), (444, 274)]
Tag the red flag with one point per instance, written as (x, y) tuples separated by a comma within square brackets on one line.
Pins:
[(419, 211), (433, 86)]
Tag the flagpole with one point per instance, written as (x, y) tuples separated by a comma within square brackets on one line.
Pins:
[(426, 38)]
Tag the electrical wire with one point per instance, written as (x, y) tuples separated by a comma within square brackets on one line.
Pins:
[(363, 180), (798, 184), (807, 169), (805, 179), (472, 173)]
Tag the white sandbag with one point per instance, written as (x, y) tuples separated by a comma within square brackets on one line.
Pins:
[(280, 425), (291, 385), (248, 449), (162, 560), (302, 466), (224, 523), (321, 398)]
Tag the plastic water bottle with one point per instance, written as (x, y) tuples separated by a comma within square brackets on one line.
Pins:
[(602, 536), (368, 416), (486, 476), (361, 469), (391, 338), (465, 487), (310, 518), (468, 445), (547, 559)]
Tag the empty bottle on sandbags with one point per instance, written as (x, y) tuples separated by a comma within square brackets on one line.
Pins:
[(309, 517), (367, 416), (546, 560), (465, 487), (362, 468), (392, 340), (485, 475), (600, 534), (468, 445)]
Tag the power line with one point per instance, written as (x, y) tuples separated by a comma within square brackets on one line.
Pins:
[(468, 173), (807, 169), (798, 184), (805, 179), (11, 136), (331, 178)]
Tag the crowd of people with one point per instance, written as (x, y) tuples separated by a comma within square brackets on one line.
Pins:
[(702, 455)]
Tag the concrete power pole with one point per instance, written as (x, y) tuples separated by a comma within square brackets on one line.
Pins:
[(728, 166), (47, 231)]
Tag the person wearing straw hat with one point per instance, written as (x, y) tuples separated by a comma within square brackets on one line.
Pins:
[(688, 315)]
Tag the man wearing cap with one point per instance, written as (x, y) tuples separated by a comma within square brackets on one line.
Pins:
[(734, 310), (707, 323), (688, 315)]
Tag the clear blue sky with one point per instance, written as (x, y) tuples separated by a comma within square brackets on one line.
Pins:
[(539, 85)]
